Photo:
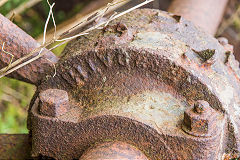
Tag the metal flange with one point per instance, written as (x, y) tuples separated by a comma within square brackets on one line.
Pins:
[(132, 81)]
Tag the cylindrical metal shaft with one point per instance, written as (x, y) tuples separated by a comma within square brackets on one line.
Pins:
[(18, 43), (114, 150), (206, 14)]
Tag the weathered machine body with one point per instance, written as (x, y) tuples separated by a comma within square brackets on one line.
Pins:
[(150, 79), (149, 85)]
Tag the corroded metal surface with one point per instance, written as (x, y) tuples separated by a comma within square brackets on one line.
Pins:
[(206, 14), (201, 120), (15, 147), (132, 81), (18, 43), (113, 150), (53, 102)]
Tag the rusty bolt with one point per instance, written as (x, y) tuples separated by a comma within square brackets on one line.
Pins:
[(200, 106), (121, 27), (53, 102), (200, 119)]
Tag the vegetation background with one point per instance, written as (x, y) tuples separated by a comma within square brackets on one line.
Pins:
[(15, 95)]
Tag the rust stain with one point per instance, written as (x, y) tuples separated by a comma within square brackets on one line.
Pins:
[(19, 43), (139, 81), (113, 150)]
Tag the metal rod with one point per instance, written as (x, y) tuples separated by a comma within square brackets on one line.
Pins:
[(18, 43), (113, 150), (206, 14)]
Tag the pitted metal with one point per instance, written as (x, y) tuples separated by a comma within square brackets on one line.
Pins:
[(20, 44), (113, 150), (201, 120), (53, 102), (132, 82)]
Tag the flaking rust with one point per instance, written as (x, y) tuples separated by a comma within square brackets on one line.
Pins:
[(136, 81)]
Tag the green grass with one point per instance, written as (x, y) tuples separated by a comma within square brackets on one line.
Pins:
[(15, 96), (14, 100), (8, 6)]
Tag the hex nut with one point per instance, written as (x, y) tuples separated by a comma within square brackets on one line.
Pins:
[(200, 119), (53, 102), (201, 106)]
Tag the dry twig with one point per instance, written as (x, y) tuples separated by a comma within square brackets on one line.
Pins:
[(12, 56), (2, 2), (228, 21), (22, 7), (20, 62)]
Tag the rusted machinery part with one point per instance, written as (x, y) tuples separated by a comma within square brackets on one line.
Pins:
[(113, 150), (18, 43), (138, 81), (15, 146), (206, 14)]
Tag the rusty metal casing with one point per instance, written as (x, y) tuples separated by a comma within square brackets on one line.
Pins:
[(138, 81)]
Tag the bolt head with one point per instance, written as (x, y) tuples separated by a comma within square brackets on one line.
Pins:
[(201, 106), (53, 102), (195, 123), (200, 119)]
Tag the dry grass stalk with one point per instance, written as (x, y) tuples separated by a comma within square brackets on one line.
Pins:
[(20, 62), (2, 2), (228, 22), (22, 7), (87, 12), (12, 56)]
